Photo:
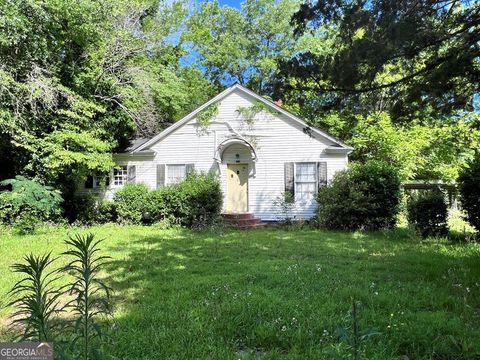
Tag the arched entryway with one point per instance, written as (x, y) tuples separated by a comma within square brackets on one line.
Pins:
[(238, 157)]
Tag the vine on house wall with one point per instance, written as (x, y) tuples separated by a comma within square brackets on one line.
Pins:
[(205, 117), (248, 113)]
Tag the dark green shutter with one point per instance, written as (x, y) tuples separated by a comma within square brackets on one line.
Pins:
[(189, 168), (131, 173), (160, 175), (322, 174), (289, 173)]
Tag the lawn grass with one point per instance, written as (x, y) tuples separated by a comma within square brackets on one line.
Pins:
[(276, 294)]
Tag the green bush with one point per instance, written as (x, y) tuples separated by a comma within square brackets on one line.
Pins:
[(89, 209), (106, 212), (366, 196), (427, 213), (195, 202), (83, 209), (131, 203), (26, 224), (203, 198), (28, 198), (469, 188)]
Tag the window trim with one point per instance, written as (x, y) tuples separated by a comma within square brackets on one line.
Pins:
[(295, 182), (167, 177), (124, 169)]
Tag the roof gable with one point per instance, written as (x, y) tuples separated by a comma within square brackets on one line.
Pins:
[(257, 97)]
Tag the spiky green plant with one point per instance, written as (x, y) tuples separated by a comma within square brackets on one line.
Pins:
[(35, 299), (91, 295)]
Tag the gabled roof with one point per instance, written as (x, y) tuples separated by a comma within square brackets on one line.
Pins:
[(132, 144), (221, 96)]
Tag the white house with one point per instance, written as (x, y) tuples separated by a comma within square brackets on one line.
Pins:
[(258, 150)]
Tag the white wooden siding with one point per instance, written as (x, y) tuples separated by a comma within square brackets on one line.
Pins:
[(277, 140)]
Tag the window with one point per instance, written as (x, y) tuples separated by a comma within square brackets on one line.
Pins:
[(95, 181), (305, 181), (176, 173), (120, 175)]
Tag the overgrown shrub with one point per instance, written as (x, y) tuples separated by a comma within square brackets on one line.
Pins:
[(83, 209), (89, 209), (28, 198), (203, 200), (131, 203), (106, 212), (195, 202), (366, 196), (284, 205), (427, 213), (469, 188), (26, 224)]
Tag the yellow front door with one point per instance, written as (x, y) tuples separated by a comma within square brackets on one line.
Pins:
[(237, 188)]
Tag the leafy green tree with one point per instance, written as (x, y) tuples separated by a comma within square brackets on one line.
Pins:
[(403, 56), (80, 77), (242, 45)]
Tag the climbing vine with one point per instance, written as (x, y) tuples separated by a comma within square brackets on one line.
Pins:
[(205, 116), (248, 113)]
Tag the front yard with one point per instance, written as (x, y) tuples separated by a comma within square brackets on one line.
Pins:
[(275, 294)]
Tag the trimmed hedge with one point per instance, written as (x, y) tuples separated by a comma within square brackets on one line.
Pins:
[(427, 213), (366, 196)]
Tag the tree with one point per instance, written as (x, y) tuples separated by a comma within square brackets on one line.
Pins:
[(398, 56), (242, 45), (78, 78)]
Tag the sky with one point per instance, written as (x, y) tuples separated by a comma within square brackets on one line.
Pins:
[(232, 3)]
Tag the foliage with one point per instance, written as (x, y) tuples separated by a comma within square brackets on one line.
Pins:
[(263, 286), (195, 202), (419, 150), (130, 202), (352, 336), (427, 213), (204, 199), (248, 113), (78, 78), (404, 57), (28, 198), (367, 196), (207, 115), (35, 299), (26, 224), (91, 302), (242, 45), (284, 205), (469, 188), (106, 212), (89, 210)]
